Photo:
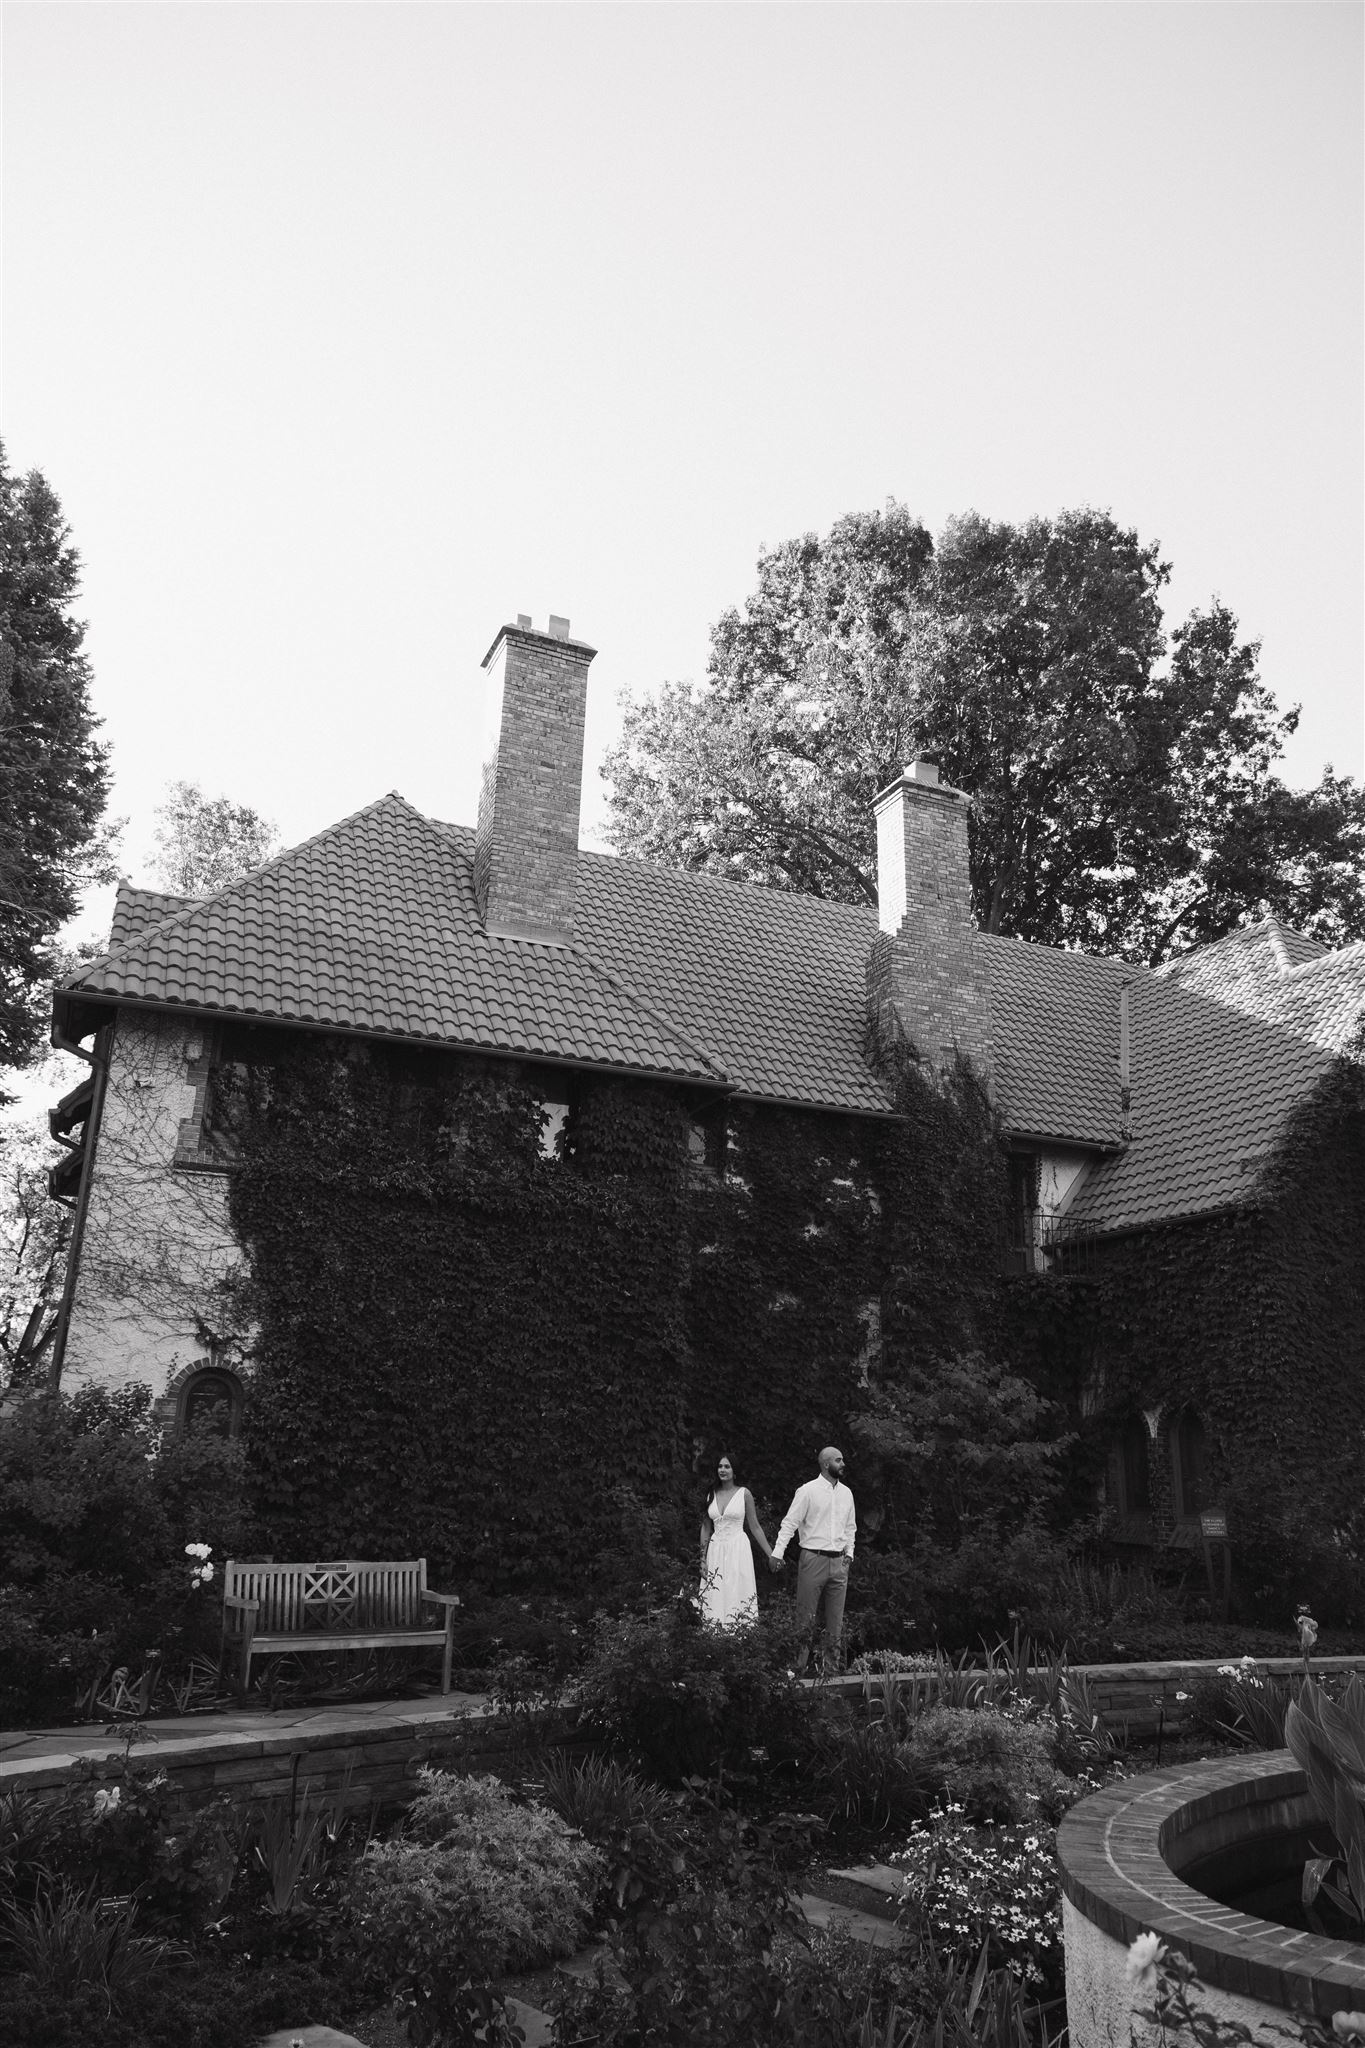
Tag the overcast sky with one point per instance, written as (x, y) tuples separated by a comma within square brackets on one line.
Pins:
[(345, 333)]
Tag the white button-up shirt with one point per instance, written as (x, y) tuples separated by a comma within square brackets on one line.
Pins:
[(821, 1515)]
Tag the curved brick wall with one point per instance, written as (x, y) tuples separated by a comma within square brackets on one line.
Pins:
[(1122, 1851)]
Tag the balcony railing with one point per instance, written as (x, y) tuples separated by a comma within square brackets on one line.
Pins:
[(1035, 1243)]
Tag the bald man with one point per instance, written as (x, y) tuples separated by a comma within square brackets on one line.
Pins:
[(821, 1517)]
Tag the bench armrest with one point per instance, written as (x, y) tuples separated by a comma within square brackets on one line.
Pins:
[(443, 1599), (247, 1606)]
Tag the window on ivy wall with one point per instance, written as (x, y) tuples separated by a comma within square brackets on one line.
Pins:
[(211, 1400), (553, 1117), (229, 1054), (1023, 1244), (1128, 1476), (1188, 1475), (706, 1142)]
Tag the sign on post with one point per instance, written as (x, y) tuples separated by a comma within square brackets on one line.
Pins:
[(1213, 1528)]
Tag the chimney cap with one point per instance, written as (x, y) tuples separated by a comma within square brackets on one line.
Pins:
[(523, 630), (919, 774)]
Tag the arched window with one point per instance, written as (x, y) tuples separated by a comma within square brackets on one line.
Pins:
[(1128, 1483), (211, 1400), (1188, 1466)]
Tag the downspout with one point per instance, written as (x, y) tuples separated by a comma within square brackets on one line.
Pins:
[(99, 1060), (1125, 1059)]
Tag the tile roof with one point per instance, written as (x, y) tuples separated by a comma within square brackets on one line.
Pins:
[(1055, 1029), (1249, 958), (373, 926), (1223, 1049), (771, 983), (137, 910)]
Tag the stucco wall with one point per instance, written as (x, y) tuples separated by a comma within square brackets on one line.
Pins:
[(1099, 1998), (156, 1241)]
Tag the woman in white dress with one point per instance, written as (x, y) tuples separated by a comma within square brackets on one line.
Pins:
[(728, 1592)]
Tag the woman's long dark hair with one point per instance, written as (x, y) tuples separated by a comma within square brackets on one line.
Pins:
[(723, 1457)]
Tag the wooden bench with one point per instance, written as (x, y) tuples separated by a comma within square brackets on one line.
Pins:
[(270, 1609)]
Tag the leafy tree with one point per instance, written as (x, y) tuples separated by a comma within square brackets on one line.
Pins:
[(53, 770), (1122, 801), (34, 1233), (205, 842)]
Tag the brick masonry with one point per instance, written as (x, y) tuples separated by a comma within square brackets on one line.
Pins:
[(526, 845), (1122, 1850), (925, 978)]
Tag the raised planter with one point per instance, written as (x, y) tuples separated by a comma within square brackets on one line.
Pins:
[(1135, 1700), (1127, 1854)]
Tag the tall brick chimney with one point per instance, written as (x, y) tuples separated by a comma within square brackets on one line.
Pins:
[(526, 844), (925, 973)]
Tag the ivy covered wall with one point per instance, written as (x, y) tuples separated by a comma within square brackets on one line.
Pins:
[(1255, 1321), (465, 1348), (469, 1350)]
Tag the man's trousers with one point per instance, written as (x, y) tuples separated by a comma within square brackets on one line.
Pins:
[(822, 1577)]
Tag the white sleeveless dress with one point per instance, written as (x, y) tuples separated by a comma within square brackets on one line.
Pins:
[(728, 1592)]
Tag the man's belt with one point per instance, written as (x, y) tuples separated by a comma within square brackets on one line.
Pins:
[(823, 1553)]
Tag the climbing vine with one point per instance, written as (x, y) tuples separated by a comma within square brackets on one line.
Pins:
[(1255, 1320), (471, 1348)]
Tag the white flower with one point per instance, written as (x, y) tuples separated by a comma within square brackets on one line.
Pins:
[(1143, 1958), (107, 1800), (200, 1550), (1349, 2026), (1182, 1695)]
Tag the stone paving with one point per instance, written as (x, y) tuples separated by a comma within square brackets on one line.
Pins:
[(60, 1745)]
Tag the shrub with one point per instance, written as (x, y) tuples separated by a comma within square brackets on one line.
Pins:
[(728, 1960), (475, 1883), (209, 2008), (996, 1886), (640, 1830), (95, 1511), (994, 1765), (113, 1825), (866, 1779), (1239, 1702), (70, 1941), (690, 1700)]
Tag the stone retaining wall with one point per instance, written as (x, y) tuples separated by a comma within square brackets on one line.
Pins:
[(371, 1760), (1137, 1700), (378, 1753)]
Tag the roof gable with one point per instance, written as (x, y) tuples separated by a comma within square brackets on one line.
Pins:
[(372, 926)]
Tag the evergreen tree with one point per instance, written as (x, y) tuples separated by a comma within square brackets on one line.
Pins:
[(54, 771)]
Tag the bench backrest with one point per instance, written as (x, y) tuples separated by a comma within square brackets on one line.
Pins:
[(338, 1594)]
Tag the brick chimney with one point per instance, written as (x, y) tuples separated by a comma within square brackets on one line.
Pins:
[(925, 973), (526, 845)]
